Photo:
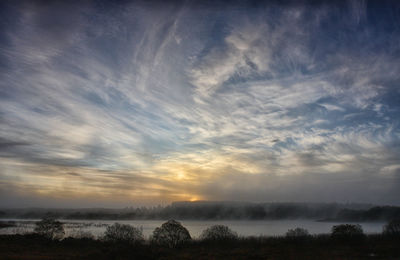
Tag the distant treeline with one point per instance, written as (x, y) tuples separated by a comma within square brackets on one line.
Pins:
[(372, 214), (203, 210)]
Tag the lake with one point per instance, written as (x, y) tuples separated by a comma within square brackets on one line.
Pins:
[(195, 227)]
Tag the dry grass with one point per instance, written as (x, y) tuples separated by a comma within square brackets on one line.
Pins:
[(318, 247)]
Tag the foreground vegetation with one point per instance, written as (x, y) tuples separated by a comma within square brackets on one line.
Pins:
[(33, 246), (172, 241)]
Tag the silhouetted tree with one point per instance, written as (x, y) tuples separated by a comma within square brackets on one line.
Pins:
[(347, 231), (50, 228), (123, 233), (218, 232), (171, 234), (297, 233), (392, 228)]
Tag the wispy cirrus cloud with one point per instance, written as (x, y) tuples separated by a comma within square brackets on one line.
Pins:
[(153, 102)]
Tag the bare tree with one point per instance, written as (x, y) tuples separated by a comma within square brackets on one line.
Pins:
[(123, 233), (347, 231), (297, 233), (50, 228), (392, 228), (171, 234), (218, 232)]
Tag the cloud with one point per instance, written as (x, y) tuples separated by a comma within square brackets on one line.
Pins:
[(150, 102), (244, 53)]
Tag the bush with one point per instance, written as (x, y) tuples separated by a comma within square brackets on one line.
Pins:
[(347, 231), (297, 233), (122, 233), (171, 234), (392, 228), (80, 234), (218, 233), (50, 228)]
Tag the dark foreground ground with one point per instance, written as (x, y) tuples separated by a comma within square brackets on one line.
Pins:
[(320, 247)]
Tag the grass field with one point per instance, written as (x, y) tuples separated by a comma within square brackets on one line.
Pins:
[(317, 247)]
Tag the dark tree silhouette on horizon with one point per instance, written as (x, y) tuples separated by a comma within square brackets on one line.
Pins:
[(297, 233), (392, 228), (50, 228), (218, 233), (347, 232), (123, 233), (171, 234)]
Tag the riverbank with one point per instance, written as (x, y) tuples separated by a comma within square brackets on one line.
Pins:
[(195, 228), (316, 247)]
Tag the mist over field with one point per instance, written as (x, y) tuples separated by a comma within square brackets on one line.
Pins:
[(205, 211)]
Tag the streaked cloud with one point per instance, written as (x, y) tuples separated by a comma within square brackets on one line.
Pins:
[(150, 102)]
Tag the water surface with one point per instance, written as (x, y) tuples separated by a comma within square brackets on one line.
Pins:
[(195, 227)]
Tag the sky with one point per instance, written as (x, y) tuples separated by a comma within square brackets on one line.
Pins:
[(124, 103)]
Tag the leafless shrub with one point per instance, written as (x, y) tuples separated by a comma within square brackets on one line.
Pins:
[(50, 228), (171, 234), (218, 233), (123, 233)]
